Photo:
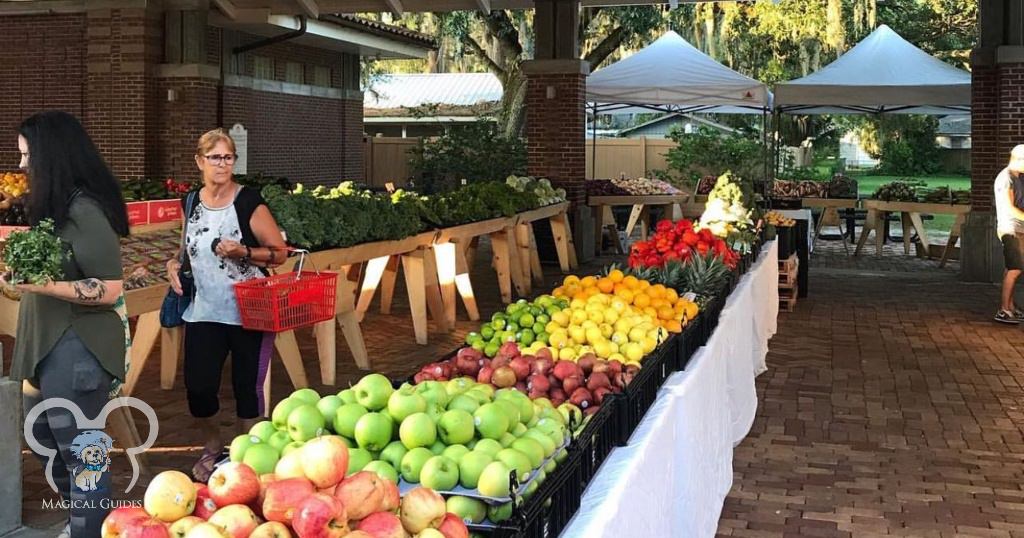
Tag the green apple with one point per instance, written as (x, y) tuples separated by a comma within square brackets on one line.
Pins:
[(572, 414), (479, 396), (440, 474), (488, 446), (561, 455), (552, 414), (262, 458), (357, 459), (458, 386), (328, 406), (487, 390), (543, 439), (467, 509), (542, 402), (550, 466), (522, 401), (511, 411), (532, 449), (279, 440), (240, 444), (412, 463), (264, 429), (472, 444), (553, 429), (434, 411), (516, 460), (437, 447), (383, 469), (434, 392), (491, 421), (471, 466), (404, 402), (305, 422), (497, 513), (519, 429), (393, 453), (542, 475), (507, 439), (463, 402), (373, 391), (530, 490), (347, 396), (373, 431), (456, 427), (455, 452), (309, 396), (345, 419), (417, 430), (495, 480), (281, 411), (291, 447)]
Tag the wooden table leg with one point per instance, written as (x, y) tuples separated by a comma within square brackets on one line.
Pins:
[(536, 271), (288, 347), (444, 254), (434, 302), (562, 236), (122, 425), (869, 225), (171, 345), (574, 262), (634, 216), (387, 287), (326, 341), (503, 264), (471, 250), (371, 280), (881, 218), (954, 236), (907, 226), (613, 230), (817, 229), (147, 329), (922, 234), (599, 225), (464, 284), (412, 267), (522, 243)]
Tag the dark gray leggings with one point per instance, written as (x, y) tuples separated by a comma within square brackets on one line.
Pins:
[(71, 371)]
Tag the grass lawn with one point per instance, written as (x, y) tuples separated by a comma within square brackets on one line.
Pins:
[(867, 184)]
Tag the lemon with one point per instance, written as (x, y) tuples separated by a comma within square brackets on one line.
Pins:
[(648, 344), (577, 304), (615, 347), (561, 318), (603, 349), (596, 316), (567, 354), (558, 339), (594, 335), (623, 326), (577, 317), (607, 330), (578, 334), (610, 315), (636, 334), (616, 356), (620, 338), (588, 325), (633, 351), (552, 326), (619, 305)]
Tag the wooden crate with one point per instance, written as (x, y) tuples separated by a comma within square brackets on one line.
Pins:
[(787, 299), (788, 271), (790, 264)]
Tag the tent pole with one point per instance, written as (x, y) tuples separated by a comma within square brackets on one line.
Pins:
[(593, 143)]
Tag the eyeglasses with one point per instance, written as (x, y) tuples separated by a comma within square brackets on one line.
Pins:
[(219, 160)]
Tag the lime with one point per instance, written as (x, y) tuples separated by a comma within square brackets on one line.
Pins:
[(543, 318), (526, 337), (554, 309), (498, 324), (491, 349), (472, 337), (526, 320), (538, 327), (543, 337), (487, 332), (479, 345)]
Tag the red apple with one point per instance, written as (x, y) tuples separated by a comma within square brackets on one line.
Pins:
[(484, 375), (325, 460), (362, 494), (358, 534), (467, 361), (544, 353), (117, 520), (571, 383), (521, 387), (598, 380), (534, 394), (205, 506), (601, 367), (586, 363), (565, 369), (581, 398), (148, 527), (237, 520), (557, 393), (234, 483), (207, 530), (591, 410), (421, 377), (509, 349), (181, 527), (600, 393), (500, 360), (283, 496), (272, 529), (422, 508), (392, 497), (382, 525), (320, 516), (521, 366), (453, 527), (504, 377), (542, 366), (539, 383), (615, 367)]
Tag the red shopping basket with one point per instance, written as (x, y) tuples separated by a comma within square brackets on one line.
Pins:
[(287, 301)]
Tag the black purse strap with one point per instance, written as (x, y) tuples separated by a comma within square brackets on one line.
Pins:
[(189, 206)]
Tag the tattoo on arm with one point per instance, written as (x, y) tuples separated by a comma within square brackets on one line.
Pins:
[(90, 290)]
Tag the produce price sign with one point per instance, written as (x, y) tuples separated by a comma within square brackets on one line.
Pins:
[(138, 213), (164, 211)]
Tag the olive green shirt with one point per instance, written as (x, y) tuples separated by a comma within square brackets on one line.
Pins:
[(95, 253)]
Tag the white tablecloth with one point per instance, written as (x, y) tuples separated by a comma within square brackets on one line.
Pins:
[(672, 477), (802, 214)]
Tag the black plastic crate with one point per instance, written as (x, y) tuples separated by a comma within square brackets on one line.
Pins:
[(597, 439), (688, 342), (640, 394)]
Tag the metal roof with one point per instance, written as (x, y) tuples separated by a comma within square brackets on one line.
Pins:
[(396, 91)]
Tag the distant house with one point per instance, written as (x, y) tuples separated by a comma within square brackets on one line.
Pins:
[(954, 132), (663, 126), (411, 105)]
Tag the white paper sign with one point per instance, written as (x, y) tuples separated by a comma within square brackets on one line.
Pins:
[(241, 137)]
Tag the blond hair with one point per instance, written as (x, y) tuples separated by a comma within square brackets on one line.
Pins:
[(210, 139)]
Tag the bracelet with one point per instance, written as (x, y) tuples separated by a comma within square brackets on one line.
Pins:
[(248, 254)]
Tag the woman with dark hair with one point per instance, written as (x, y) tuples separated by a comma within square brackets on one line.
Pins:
[(70, 340)]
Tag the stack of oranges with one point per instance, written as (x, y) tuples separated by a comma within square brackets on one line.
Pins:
[(655, 300)]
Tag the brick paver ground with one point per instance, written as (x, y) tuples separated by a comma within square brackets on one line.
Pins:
[(891, 406)]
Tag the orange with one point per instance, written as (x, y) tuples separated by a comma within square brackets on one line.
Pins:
[(582, 296), (650, 312), (571, 279), (691, 310), (674, 326), (641, 300), (591, 291), (606, 285), (588, 281), (666, 312), (657, 291), (643, 285), (625, 294), (616, 276), (631, 282), (659, 302), (671, 295), (558, 292)]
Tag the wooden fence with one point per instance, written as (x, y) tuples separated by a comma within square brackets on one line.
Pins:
[(387, 160)]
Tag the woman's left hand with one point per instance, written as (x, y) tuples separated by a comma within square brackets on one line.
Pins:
[(227, 248), (23, 288)]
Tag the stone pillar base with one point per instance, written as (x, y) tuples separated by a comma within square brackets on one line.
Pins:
[(583, 232), (981, 255), (10, 455)]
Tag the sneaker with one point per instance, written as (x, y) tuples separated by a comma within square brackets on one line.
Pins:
[(1018, 314), (1007, 317), (66, 533)]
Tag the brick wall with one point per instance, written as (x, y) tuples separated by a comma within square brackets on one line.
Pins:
[(554, 131), (985, 160), (176, 125), (353, 153), (42, 67)]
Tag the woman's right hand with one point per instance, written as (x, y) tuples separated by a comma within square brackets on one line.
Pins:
[(173, 276)]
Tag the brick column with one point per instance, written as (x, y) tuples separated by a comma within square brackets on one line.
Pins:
[(555, 137), (354, 152)]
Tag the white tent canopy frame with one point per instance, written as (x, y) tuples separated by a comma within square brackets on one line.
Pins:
[(671, 75), (883, 74)]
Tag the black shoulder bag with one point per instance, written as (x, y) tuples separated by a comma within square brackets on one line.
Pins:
[(174, 305)]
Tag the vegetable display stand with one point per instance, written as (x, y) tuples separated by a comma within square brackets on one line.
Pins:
[(830, 215), (910, 217), (506, 256), (529, 259), (603, 218)]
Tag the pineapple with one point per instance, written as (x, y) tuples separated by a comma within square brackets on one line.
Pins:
[(705, 276)]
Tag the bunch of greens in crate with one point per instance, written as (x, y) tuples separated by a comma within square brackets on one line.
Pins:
[(480, 201), (897, 191), (944, 195), (34, 256), (137, 190)]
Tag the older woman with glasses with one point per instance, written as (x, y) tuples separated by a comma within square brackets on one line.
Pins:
[(229, 237)]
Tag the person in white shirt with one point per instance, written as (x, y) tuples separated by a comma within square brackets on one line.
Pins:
[(1009, 202)]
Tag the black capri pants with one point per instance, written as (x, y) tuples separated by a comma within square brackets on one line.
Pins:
[(206, 348)]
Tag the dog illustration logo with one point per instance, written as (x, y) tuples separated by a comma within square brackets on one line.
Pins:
[(91, 447)]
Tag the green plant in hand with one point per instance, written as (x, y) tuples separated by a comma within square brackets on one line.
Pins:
[(35, 256)]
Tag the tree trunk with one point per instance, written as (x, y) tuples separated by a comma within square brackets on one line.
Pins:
[(512, 117)]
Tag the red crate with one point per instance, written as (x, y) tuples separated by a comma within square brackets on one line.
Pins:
[(164, 211), (287, 301), (138, 213)]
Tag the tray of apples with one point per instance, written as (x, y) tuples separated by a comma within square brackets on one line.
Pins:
[(318, 498)]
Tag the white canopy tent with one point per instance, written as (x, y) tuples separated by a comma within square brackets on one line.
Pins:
[(883, 74), (671, 75)]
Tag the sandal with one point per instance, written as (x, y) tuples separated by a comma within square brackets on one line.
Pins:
[(203, 468)]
